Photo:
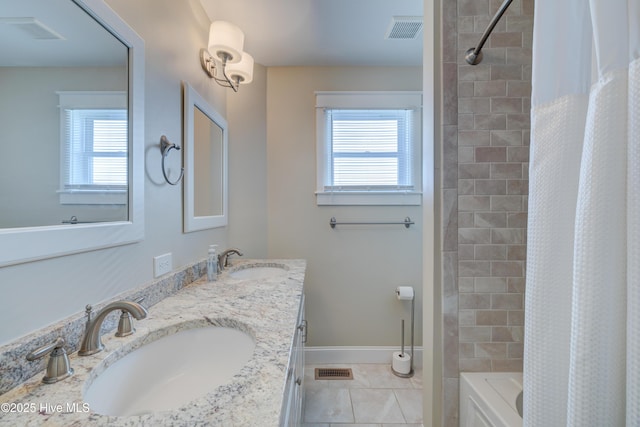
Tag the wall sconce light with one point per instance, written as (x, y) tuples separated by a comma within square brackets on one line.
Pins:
[(223, 60)]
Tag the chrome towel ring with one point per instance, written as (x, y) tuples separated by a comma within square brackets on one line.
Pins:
[(165, 147)]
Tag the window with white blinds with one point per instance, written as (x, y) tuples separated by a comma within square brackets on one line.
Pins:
[(370, 149), (368, 155), (96, 155), (94, 146)]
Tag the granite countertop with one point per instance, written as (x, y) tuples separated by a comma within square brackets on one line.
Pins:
[(265, 308)]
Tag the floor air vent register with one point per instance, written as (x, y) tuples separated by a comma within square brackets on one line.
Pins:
[(333, 374)]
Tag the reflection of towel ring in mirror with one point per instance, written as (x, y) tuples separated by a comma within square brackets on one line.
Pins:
[(165, 147)]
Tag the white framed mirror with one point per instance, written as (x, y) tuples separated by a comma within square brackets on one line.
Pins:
[(64, 55), (205, 159)]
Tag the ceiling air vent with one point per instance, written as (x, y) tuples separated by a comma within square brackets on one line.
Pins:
[(404, 27), (34, 28)]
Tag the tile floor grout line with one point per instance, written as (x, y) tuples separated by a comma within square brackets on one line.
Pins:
[(404, 417), (353, 411)]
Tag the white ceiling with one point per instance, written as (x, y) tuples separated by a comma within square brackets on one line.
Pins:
[(321, 32), (277, 33)]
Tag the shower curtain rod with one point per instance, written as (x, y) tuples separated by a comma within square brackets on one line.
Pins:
[(473, 56)]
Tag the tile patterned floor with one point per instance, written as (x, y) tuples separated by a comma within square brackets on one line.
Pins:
[(374, 398)]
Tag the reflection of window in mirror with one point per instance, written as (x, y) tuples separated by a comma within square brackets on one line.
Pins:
[(102, 59), (93, 169), (208, 165)]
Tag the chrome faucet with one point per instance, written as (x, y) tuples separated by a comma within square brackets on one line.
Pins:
[(92, 341), (125, 324), (223, 258), (58, 367)]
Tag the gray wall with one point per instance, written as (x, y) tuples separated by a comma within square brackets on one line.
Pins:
[(247, 119), (352, 272)]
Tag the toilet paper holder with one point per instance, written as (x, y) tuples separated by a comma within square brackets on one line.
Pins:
[(402, 294)]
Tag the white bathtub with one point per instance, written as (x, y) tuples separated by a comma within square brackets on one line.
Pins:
[(488, 399)]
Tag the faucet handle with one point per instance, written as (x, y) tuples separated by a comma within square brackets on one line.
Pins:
[(87, 311), (125, 324), (58, 367)]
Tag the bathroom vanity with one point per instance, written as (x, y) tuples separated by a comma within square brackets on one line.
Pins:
[(262, 299)]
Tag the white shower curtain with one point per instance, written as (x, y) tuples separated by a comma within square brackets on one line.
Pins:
[(582, 318)]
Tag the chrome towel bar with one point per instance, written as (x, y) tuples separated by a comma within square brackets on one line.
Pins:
[(407, 222)]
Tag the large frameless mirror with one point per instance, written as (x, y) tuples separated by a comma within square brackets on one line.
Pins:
[(71, 122), (205, 151)]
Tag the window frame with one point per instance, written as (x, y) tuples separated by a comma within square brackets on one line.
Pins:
[(88, 194), (328, 194)]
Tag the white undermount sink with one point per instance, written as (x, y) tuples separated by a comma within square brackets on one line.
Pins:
[(258, 271), (170, 372)]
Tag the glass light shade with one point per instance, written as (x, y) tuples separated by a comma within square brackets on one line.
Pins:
[(243, 69), (226, 38)]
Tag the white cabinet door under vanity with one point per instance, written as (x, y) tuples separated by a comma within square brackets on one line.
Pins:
[(294, 388)]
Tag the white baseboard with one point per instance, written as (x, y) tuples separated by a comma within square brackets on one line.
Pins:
[(335, 355)]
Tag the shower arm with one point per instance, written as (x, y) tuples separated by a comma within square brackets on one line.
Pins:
[(473, 56)]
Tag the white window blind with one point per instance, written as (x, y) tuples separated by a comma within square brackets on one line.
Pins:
[(93, 147), (96, 154), (368, 148)]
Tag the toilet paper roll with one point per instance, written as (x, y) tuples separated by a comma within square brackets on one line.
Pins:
[(404, 292), (401, 362)]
